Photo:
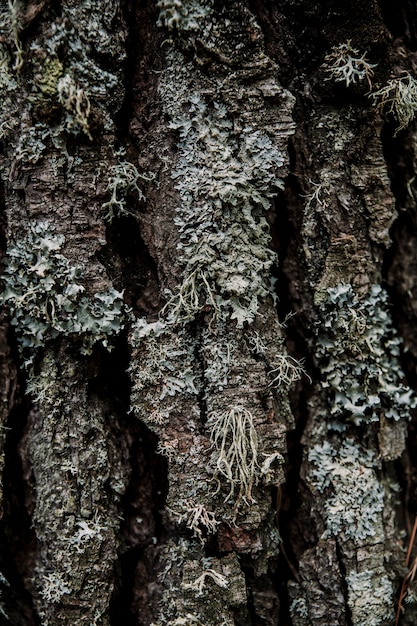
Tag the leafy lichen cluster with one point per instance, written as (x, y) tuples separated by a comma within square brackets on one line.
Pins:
[(225, 181), (45, 297), (370, 597), (358, 352), (354, 495)]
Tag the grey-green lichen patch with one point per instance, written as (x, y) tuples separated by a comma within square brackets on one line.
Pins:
[(81, 84), (358, 353), (45, 297), (164, 362), (354, 500), (370, 598), (225, 180), (76, 512), (76, 104)]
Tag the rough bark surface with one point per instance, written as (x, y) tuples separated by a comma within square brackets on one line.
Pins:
[(208, 359)]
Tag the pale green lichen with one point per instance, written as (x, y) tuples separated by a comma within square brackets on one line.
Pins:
[(8, 86), (44, 295), (399, 97), (354, 496), (358, 353), (167, 362), (370, 598), (10, 26), (234, 436), (123, 179), (226, 181)]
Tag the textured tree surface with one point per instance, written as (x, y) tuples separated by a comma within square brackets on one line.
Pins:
[(207, 335)]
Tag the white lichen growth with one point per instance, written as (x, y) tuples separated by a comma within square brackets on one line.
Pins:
[(8, 86), (285, 371), (318, 196), (199, 584), (345, 64), (299, 607), (358, 353), (197, 518), (398, 97), (354, 496), (234, 437), (123, 180), (370, 598), (267, 470), (53, 586), (45, 298), (87, 531), (76, 103)]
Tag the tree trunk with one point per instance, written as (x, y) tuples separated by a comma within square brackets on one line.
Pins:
[(207, 346)]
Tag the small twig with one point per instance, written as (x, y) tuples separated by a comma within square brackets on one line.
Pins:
[(411, 543), (410, 575)]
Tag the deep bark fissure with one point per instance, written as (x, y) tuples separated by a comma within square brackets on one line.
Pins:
[(344, 586), (293, 508), (18, 541), (400, 19)]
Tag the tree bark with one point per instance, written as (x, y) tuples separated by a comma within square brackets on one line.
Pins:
[(207, 346)]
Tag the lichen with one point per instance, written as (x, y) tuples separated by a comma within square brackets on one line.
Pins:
[(234, 436), (44, 295), (354, 495), (123, 179), (358, 353), (399, 97), (8, 86), (10, 27), (76, 103), (370, 598), (183, 15), (160, 353), (225, 181)]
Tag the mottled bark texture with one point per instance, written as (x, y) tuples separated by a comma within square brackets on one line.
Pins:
[(207, 339)]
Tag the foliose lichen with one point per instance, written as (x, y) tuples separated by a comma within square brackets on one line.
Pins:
[(346, 64), (167, 364), (226, 181), (358, 352), (370, 598), (8, 86), (44, 295), (354, 495), (10, 27)]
